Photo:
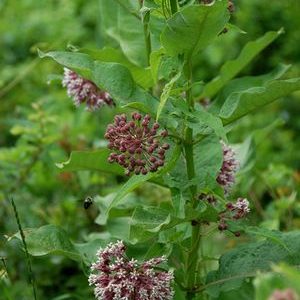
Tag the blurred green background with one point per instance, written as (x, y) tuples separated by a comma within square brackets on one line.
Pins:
[(40, 126)]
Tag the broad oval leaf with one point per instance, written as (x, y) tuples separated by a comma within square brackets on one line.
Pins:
[(112, 77), (120, 21), (115, 78), (53, 240), (241, 103), (90, 160), (245, 261), (50, 239), (194, 28), (142, 76), (231, 68)]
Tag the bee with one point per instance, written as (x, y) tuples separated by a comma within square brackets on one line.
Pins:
[(87, 202)]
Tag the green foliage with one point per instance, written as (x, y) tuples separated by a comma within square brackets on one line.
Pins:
[(244, 261), (194, 28), (231, 68), (51, 239), (239, 104), (165, 59), (110, 76), (90, 160)]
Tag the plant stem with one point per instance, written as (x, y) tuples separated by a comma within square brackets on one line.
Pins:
[(29, 266), (174, 6), (147, 35), (193, 256), (147, 41)]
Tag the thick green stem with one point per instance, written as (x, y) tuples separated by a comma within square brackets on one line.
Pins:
[(193, 256), (174, 6), (147, 35), (147, 41)]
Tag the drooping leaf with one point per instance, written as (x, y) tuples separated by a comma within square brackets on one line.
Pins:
[(194, 28), (241, 103), (231, 68), (245, 261), (243, 83), (112, 77), (142, 76), (90, 160), (79, 62)]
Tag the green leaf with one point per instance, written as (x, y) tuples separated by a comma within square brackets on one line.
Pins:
[(155, 60), (111, 77), (124, 209), (119, 21), (194, 28), (201, 121), (241, 103), (140, 75), (136, 180), (245, 261), (231, 68), (166, 94), (53, 240), (78, 62), (208, 157), (146, 221), (50, 239), (139, 106), (284, 277), (244, 83), (273, 235), (90, 160), (114, 78), (245, 154)]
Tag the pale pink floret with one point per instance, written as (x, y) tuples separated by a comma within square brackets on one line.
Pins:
[(226, 177), (85, 91), (116, 277), (287, 294)]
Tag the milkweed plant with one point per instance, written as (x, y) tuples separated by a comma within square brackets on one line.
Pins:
[(171, 129)]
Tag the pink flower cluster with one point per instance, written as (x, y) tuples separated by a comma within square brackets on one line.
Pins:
[(137, 144), (226, 177), (287, 294), (120, 278), (83, 90), (234, 211)]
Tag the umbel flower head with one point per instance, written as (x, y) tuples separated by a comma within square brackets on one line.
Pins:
[(234, 211), (85, 91), (226, 177), (239, 209), (137, 144), (117, 277)]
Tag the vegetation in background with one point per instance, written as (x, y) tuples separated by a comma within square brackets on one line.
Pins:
[(53, 156)]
